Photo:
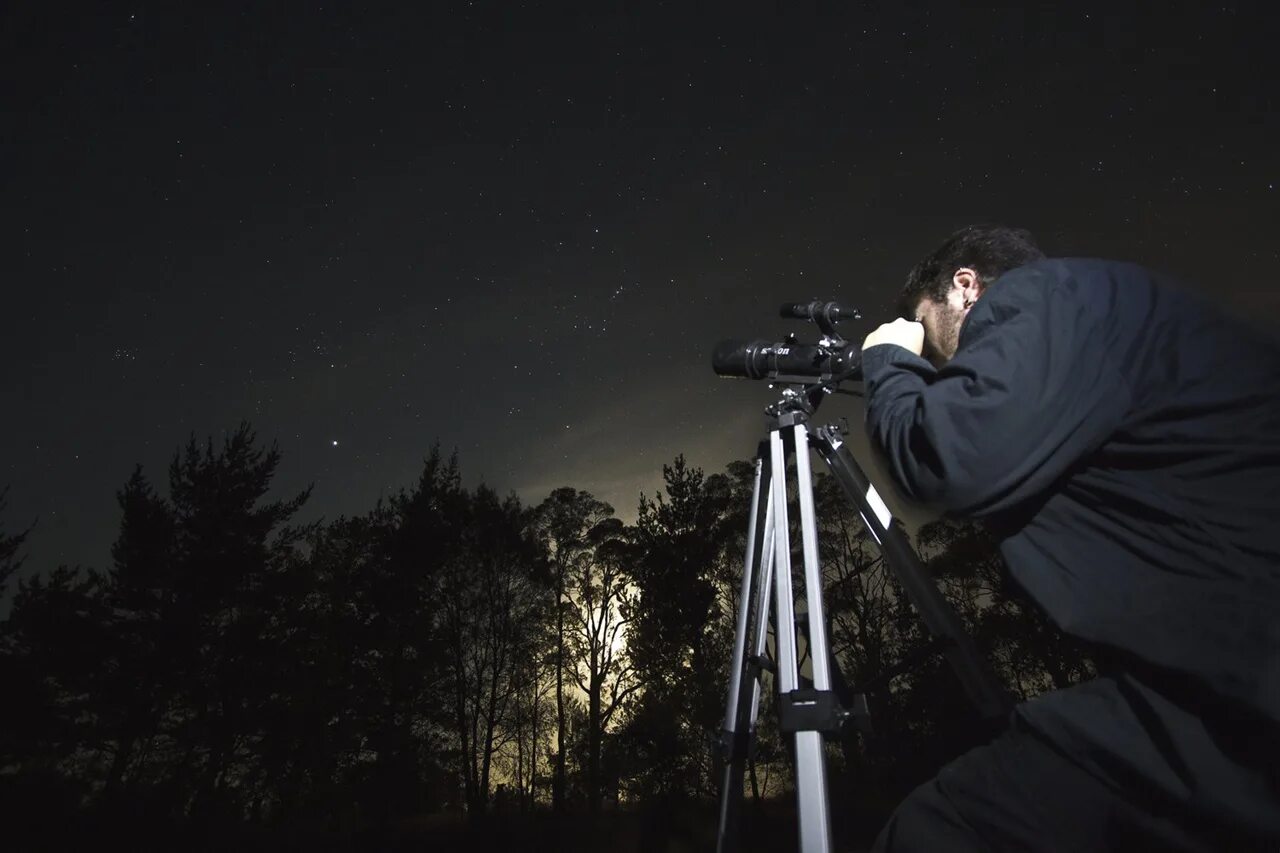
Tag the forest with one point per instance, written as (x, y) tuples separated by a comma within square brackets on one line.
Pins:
[(456, 669)]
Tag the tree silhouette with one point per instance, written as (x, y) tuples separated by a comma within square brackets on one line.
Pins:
[(492, 606), (142, 594), (532, 712), (601, 667), (10, 544), (679, 634), (231, 668), (563, 522), (226, 545), (403, 709), (55, 652)]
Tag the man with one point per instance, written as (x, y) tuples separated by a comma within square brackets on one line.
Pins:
[(1121, 439)]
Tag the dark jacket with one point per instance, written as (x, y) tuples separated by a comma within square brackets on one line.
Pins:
[(1122, 439)]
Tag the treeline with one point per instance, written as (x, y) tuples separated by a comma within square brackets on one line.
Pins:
[(452, 651)]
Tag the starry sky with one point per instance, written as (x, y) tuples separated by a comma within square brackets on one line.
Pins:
[(518, 229)]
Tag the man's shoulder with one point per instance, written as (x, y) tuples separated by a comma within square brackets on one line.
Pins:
[(1092, 290), (1082, 272), (1102, 284)]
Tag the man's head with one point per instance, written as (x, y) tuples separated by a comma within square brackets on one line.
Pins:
[(942, 288)]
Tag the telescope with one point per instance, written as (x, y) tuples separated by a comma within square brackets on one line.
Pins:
[(816, 702), (832, 358), (784, 361)]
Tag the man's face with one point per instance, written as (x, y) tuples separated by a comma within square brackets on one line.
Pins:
[(942, 320), (941, 329)]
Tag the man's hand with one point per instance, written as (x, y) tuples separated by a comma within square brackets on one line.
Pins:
[(904, 333)]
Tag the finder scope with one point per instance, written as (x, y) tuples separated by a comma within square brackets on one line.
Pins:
[(823, 313)]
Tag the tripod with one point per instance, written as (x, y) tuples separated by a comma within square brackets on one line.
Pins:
[(809, 713)]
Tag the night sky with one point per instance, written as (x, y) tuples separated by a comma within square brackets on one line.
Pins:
[(519, 230)]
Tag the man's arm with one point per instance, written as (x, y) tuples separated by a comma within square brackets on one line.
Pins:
[(1031, 391)]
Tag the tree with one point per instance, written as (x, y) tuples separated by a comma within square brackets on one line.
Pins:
[(404, 708), (531, 714), (601, 668), (54, 648), (324, 701), (10, 544), (563, 522), (227, 543), (490, 617), (680, 634), (141, 595)]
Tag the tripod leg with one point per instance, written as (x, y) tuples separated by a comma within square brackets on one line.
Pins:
[(811, 784), (767, 568), (763, 588), (738, 720), (812, 568), (815, 818)]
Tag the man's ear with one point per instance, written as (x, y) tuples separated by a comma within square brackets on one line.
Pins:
[(968, 284)]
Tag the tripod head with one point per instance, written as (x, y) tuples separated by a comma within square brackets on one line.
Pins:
[(831, 360)]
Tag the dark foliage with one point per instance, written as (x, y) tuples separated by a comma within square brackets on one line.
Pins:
[(449, 659), (10, 545)]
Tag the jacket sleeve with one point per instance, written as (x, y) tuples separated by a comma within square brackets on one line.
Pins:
[(1032, 390)]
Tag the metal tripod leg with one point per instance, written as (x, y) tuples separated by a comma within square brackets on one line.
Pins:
[(766, 567), (811, 777), (739, 720)]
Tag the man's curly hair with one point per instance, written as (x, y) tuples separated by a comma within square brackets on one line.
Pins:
[(989, 250)]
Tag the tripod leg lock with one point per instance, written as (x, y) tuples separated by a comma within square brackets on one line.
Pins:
[(810, 710), (735, 746)]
